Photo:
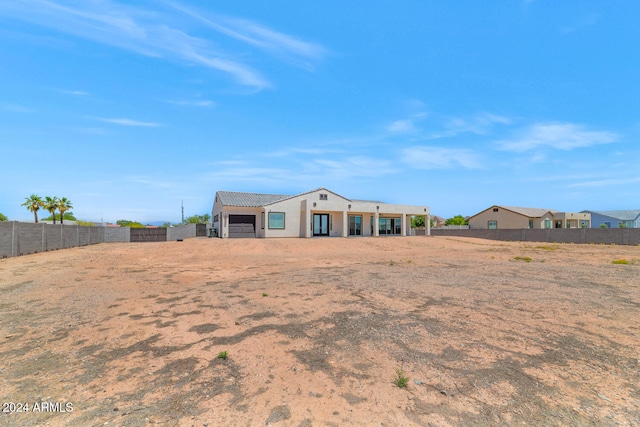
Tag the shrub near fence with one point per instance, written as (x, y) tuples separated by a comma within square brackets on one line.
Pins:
[(617, 236)]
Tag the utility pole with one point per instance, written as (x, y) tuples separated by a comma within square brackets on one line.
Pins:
[(182, 201)]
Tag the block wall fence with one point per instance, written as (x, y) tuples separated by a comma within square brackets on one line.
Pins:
[(609, 236), (22, 238)]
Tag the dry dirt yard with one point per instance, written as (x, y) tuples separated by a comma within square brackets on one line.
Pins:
[(316, 331)]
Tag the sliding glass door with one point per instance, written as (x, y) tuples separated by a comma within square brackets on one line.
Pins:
[(355, 225), (389, 226)]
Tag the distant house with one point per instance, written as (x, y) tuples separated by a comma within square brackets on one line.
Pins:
[(510, 217), (614, 219), (438, 221), (318, 212)]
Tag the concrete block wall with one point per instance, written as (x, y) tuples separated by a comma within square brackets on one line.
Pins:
[(6, 238), (69, 236), (28, 238), (52, 237), (22, 238), (181, 232), (117, 234), (616, 236), (84, 234)]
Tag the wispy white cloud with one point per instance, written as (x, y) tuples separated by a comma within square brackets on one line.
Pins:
[(354, 167), (285, 46), (402, 126), (72, 92), (585, 22), (609, 182), (429, 157), (149, 181), (561, 136), (156, 34), (422, 123), (293, 151), (127, 122), (298, 174), (479, 124), (195, 103), (16, 108)]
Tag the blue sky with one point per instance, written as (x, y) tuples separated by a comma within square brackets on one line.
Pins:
[(130, 107)]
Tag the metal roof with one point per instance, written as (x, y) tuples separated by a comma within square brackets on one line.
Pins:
[(623, 215), (248, 200)]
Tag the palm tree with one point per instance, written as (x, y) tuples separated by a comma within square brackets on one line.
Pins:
[(51, 204), (33, 203), (64, 205)]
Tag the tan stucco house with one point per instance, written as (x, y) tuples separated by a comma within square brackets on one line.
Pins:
[(510, 217), (318, 212)]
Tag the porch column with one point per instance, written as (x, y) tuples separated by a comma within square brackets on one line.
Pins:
[(307, 220), (376, 224), (224, 218), (403, 229), (345, 224)]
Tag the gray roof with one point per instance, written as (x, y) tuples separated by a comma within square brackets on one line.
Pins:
[(254, 200), (624, 215), (528, 212), (248, 200)]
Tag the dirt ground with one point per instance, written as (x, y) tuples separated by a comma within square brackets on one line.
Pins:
[(318, 332)]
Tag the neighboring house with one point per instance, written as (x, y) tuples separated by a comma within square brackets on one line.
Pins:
[(510, 217), (315, 213), (613, 219), (438, 221)]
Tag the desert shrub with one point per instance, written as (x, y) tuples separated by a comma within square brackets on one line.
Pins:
[(401, 380)]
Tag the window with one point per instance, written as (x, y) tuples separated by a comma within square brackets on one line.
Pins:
[(495, 209), (276, 220), (493, 225), (530, 223), (324, 197), (547, 223), (262, 220), (215, 218)]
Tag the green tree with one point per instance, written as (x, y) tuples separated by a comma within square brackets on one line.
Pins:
[(64, 205), (33, 204), (51, 205), (68, 216), (3, 217), (198, 219), (127, 223), (418, 221), (456, 220)]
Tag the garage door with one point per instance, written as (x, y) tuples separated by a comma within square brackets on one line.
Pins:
[(242, 226)]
